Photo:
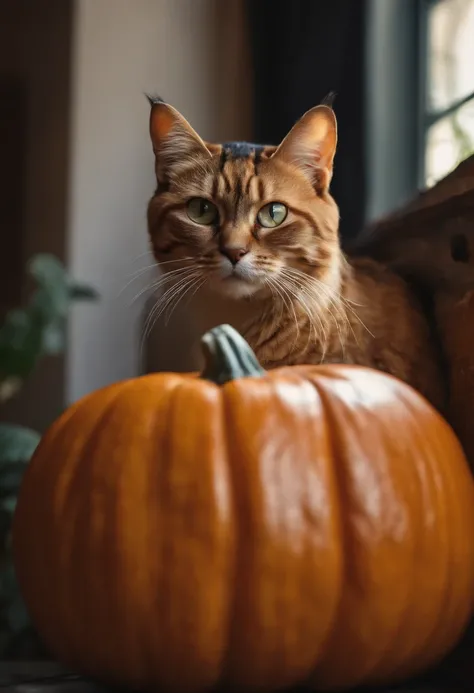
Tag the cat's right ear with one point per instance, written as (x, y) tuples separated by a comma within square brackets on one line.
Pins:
[(175, 144)]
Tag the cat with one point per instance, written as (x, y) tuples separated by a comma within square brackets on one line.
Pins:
[(251, 232)]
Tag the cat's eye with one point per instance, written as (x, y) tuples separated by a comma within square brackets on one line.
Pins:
[(202, 211), (272, 215)]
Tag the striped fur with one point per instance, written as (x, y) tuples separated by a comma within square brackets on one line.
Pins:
[(294, 295)]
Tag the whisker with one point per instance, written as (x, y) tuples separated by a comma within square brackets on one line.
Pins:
[(139, 257), (204, 280), (196, 282), (335, 319), (160, 305), (136, 275), (175, 292), (311, 286), (294, 290), (172, 274), (143, 269), (272, 284), (139, 273), (181, 259), (276, 294), (172, 292), (149, 325), (347, 305), (336, 298), (283, 294), (279, 286), (308, 278)]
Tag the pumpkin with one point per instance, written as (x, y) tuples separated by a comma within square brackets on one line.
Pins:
[(252, 529)]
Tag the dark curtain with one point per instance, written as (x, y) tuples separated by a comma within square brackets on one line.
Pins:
[(301, 51)]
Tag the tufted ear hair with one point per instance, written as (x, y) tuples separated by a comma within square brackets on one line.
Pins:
[(311, 145), (175, 144)]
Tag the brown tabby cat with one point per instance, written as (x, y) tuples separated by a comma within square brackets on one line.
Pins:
[(252, 232)]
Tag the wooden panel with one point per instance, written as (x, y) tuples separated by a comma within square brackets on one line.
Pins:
[(12, 189)]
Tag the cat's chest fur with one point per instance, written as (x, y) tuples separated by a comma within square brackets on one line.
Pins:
[(378, 323)]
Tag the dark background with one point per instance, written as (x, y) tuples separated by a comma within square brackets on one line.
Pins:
[(321, 51)]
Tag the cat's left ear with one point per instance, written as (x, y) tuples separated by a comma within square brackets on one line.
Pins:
[(175, 143), (311, 145)]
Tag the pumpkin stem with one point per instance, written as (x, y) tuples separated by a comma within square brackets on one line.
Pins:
[(228, 356)]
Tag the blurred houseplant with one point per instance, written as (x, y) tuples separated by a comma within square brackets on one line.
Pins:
[(26, 335)]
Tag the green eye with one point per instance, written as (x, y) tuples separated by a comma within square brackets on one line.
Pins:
[(202, 211), (272, 215)]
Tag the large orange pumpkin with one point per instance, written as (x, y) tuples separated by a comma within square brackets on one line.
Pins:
[(256, 529)]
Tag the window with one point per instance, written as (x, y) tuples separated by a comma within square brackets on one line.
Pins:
[(419, 96), (448, 113)]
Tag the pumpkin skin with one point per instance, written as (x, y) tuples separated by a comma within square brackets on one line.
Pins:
[(248, 529)]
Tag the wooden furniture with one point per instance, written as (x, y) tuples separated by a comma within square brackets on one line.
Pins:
[(48, 677), (430, 241)]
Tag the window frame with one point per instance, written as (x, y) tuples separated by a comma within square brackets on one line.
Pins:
[(427, 117), (394, 105)]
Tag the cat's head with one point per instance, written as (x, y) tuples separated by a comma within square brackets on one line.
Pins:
[(240, 215)]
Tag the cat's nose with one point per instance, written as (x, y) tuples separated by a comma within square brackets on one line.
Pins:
[(234, 254)]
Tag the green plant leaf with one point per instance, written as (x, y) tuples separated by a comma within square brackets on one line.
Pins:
[(54, 338), (25, 336), (82, 292), (50, 302), (20, 344), (15, 328), (11, 474), (9, 387), (51, 299), (39, 329), (17, 443), (48, 270), (8, 504)]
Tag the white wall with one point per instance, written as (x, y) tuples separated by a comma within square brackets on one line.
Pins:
[(121, 49)]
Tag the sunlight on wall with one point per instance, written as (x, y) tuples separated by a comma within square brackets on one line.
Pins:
[(123, 49), (182, 51)]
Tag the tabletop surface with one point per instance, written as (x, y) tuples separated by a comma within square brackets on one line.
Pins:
[(48, 677)]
